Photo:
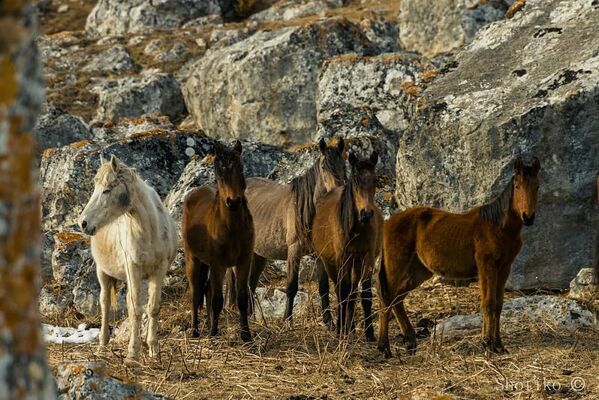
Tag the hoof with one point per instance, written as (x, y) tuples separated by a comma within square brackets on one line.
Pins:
[(494, 347), (195, 333), (154, 350), (385, 349), (370, 337), (411, 345), (246, 337), (102, 350)]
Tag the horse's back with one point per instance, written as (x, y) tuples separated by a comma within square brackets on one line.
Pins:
[(270, 204), (443, 241)]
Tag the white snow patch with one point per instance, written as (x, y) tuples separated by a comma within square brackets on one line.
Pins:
[(59, 334)]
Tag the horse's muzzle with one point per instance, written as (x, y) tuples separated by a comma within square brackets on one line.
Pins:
[(365, 216), (87, 229), (528, 221), (233, 204)]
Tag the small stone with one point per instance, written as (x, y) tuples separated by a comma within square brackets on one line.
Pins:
[(63, 8)]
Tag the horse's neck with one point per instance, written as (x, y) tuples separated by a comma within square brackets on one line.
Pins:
[(141, 211), (512, 223)]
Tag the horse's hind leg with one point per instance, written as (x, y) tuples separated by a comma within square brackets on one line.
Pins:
[(153, 309), (106, 285), (197, 276), (217, 274), (323, 292), (258, 264), (294, 254)]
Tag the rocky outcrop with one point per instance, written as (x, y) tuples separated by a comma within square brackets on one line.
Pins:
[(582, 286), (292, 10), (370, 101), (264, 87), (557, 312), (525, 86), (56, 128), (112, 60), (153, 92), (117, 17), (67, 173), (432, 28), (93, 381)]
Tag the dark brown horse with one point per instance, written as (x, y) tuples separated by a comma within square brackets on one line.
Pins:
[(483, 242), (218, 233), (346, 237), (283, 214)]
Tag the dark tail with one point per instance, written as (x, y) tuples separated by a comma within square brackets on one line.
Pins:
[(383, 284)]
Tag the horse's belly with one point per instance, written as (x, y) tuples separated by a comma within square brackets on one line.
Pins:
[(453, 263)]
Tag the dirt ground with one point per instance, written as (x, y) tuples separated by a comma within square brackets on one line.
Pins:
[(305, 361)]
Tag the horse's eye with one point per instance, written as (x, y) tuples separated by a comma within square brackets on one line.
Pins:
[(106, 191)]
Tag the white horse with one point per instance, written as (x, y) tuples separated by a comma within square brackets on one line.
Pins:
[(133, 237)]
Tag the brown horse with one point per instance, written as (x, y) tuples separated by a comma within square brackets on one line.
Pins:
[(346, 237), (283, 214), (218, 233), (483, 242)]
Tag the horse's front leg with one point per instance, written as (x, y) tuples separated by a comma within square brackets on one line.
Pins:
[(106, 285), (294, 254), (343, 296), (503, 274), (134, 309), (488, 280), (153, 309), (323, 292), (217, 275), (243, 272), (366, 298)]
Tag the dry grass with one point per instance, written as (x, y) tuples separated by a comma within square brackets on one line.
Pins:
[(306, 361)]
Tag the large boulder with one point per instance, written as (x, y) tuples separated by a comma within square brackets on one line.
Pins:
[(525, 86), (117, 17), (432, 28), (67, 173), (153, 92), (264, 87), (56, 128), (370, 100)]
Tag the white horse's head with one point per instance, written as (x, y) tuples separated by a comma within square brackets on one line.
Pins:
[(111, 197)]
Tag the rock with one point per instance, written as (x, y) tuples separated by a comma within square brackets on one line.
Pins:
[(383, 33), (226, 37), (151, 93), (52, 305), (56, 128), (117, 17), (74, 268), (258, 159), (445, 25), (200, 22), (63, 8), (541, 100), (254, 89), (356, 93), (46, 256), (94, 381), (271, 303), (131, 127), (582, 286), (291, 10), (67, 173), (557, 312), (112, 60)]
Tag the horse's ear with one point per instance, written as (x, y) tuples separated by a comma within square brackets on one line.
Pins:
[(322, 145), (518, 166), (353, 160), (102, 160), (536, 165), (237, 146), (217, 148), (340, 145), (374, 157), (114, 163)]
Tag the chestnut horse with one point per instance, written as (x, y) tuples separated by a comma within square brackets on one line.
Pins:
[(218, 233), (283, 214), (423, 241), (346, 237)]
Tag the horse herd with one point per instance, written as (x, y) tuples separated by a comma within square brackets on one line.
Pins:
[(231, 228)]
